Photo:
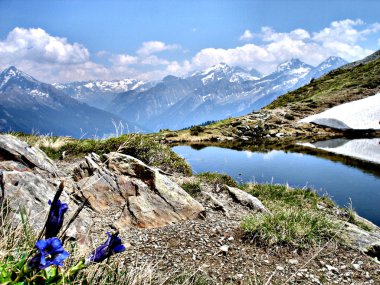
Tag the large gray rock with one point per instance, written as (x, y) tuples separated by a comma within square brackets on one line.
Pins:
[(246, 199), (133, 192), (29, 192), (14, 149)]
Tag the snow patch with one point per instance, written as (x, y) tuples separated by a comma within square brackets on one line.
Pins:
[(38, 93), (357, 115)]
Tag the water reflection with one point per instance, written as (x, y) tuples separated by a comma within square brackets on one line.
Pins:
[(342, 182)]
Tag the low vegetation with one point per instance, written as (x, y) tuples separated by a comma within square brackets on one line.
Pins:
[(336, 87), (193, 188), (142, 147), (295, 217), (216, 179)]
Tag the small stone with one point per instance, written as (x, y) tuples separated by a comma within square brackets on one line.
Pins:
[(356, 266), (279, 268), (224, 248), (332, 268), (230, 238), (293, 261), (266, 261)]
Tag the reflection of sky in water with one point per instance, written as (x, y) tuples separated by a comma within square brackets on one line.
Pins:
[(298, 170)]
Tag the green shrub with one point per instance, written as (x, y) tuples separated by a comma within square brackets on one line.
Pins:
[(193, 188), (217, 179), (195, 130)]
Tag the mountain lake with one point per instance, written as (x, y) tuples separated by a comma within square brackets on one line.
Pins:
[(345, 180)]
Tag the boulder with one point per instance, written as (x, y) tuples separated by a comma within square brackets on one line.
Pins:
[(135, 193), (29, 193), (246, 199), (13, 149)]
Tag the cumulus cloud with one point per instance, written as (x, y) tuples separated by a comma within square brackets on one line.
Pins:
[(151, 47), (246, 36), (37, 45), (52, 58), (47, 57), (340, 38)]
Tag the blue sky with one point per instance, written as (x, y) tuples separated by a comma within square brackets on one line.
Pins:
[(78, 40)]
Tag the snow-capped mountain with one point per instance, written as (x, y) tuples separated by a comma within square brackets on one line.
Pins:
[(98, 93), (214, 93), (27, 105)]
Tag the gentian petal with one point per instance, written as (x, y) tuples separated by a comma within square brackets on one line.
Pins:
[(41, 245), (60, 258), (119, 248)]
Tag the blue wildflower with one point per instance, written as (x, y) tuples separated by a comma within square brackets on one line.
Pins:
[(111, 246), (51, 252), (55, 219)]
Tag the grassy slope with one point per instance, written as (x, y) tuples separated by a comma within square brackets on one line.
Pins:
[(337, 87)]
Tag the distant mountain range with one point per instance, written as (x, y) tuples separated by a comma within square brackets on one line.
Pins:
[(28, 105), (215, 93), (98, 93), (218, 92)]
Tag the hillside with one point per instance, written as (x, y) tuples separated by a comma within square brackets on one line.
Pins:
[(278, 119)]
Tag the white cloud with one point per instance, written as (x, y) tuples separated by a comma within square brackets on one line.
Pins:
[(37, 45), (124, 59), (246, 36), (340, 38), (151, 47), (50, 58)]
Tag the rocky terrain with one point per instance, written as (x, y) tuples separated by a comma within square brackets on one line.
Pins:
[(168, 230)]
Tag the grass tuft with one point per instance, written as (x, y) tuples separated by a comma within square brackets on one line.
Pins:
[(217, 179), (294, 218)]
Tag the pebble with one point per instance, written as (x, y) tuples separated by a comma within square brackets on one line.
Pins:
[(293, 261), (332, 268), (224, 248), (279, 268)]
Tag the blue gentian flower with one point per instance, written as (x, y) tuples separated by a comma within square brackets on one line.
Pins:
[(111, 246), (55, 219), (51, 252)]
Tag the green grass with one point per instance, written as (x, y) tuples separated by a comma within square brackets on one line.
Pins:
[(193, 188), (294, 218), (217, 179), (142, 147), (337, 84)]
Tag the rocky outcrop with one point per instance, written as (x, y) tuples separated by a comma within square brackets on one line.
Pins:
[(29, 193), (133, 192), (13, 149), (117, 190), (246, 199)]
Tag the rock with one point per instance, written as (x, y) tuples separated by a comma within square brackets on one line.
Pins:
[(332, 268), (134, 192), (246, 199), (27, 191), (363, 240), (13, 149), (293, 261), (224, 248), (215, 203), (279, 268)]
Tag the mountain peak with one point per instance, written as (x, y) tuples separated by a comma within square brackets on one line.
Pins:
[(11, 72), (334, 60), (331, 62), (220, 67), (290, 64)]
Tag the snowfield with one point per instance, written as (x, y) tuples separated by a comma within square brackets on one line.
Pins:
[(357, 115)]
